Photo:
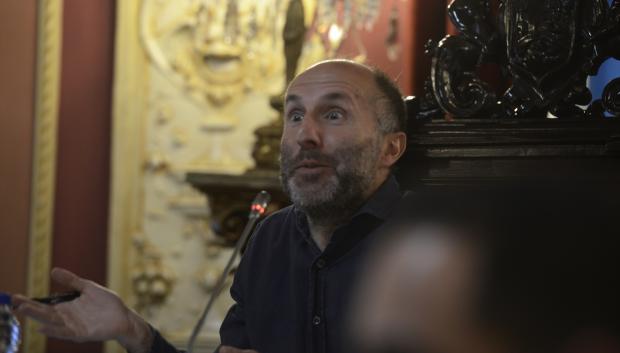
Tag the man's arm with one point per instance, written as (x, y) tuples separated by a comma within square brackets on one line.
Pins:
[(234, 331), (97, 315)]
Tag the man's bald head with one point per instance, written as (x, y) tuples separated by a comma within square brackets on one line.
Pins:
[(380, 92)]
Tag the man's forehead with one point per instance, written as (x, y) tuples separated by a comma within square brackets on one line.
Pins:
[(331, 79), (333, 89)]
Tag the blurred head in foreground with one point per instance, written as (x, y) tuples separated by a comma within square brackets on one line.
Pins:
[(495, 270)]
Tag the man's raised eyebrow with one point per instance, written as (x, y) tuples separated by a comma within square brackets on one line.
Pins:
[(292, 98)]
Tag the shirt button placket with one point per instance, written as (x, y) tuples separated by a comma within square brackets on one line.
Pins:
[(319, 338)]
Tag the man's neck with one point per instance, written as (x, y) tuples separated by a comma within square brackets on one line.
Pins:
[(322, 226), (322, 230)]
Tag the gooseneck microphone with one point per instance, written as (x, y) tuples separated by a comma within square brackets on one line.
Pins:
[(258, 208)]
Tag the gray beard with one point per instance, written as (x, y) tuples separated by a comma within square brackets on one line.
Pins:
[(338, 198)]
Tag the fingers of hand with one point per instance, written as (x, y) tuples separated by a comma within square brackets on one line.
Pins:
[(19, 299), (53, 321), (45, 314), (69, 279), (61, 332)]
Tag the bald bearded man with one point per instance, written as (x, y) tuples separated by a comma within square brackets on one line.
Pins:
[(343, 132)]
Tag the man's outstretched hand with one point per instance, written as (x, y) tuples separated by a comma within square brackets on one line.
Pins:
[(97, 315)]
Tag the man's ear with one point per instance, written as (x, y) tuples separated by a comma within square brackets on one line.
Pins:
[(396, 143)]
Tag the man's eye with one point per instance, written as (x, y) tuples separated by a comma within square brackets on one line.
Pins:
[(295, 116), (334, 115)]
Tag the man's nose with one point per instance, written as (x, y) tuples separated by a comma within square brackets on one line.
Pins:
[(309, 135)]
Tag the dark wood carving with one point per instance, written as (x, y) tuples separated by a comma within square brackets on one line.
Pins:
[(545, 49), (230, 197), (463, 130)]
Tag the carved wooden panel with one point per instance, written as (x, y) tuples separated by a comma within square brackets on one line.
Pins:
[(545, 49)]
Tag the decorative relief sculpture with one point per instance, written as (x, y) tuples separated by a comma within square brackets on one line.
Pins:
[(152, 282), (545, 49), (215, 50)]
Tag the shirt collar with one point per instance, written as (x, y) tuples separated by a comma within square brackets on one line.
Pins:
[(382, 202)]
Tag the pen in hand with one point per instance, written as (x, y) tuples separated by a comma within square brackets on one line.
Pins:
[(58, 298)]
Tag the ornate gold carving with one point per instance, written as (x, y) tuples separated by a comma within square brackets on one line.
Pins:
[(157, 162), (218, 159), (266, 150), (164, 113), (179, 137), (215, 51), (208, 276), (152, 281), (49, 39), (193, 205)]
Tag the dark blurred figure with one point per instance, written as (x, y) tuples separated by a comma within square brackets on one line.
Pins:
[(495, 270)]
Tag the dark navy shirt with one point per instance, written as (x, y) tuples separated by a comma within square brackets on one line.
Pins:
[(291, 297)]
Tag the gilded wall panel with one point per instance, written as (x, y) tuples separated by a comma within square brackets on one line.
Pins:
[(193, 81)]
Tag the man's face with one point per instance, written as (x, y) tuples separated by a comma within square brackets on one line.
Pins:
[(330, 144)]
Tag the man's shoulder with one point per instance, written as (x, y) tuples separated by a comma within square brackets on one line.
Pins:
[(273, 232), (279, 218), (277, 223), (281, 214)]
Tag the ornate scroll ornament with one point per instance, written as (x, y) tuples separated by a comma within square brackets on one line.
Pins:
[(49, 39), (152, 280), (545, 49)]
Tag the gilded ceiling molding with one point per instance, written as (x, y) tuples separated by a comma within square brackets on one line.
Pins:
[(131, 87), (49, 39)]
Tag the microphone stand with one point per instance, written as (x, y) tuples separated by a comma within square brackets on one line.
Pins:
[(259, 205)]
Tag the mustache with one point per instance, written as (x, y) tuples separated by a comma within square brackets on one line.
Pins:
[(290, 163)]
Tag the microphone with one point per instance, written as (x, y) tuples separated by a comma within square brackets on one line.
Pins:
[(259, 205), (257, 209)]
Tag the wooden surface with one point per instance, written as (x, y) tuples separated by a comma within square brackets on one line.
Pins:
[(468, 150)]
